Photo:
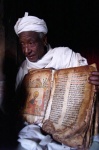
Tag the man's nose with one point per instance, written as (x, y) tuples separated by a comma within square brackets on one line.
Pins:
[(26, 49)]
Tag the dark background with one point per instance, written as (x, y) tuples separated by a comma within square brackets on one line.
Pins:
[(71, 23), (74, 24)]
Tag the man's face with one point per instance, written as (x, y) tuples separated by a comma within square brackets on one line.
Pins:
[(32, 45)]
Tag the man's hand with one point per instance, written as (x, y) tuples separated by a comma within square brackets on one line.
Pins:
[(94, 79)]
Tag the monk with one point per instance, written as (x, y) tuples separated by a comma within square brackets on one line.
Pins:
[(32, 33)]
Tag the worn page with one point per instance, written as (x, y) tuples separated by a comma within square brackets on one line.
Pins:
[(70, 104), (37, 85)]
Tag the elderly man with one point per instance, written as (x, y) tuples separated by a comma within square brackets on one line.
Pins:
[(39, 54)]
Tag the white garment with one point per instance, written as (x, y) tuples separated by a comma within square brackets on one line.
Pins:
[(57, 58), (30, 23), (30, 136)]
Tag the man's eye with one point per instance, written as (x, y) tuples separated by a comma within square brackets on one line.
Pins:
[(32, 42), (22, 43)]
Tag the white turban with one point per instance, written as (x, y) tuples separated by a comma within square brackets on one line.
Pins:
[(30, 23)]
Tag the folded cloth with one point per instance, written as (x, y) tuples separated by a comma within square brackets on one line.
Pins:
[(95, 146), (30, 23), (31, 138), (96, 138)]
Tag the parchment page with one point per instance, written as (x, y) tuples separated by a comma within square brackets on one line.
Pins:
[(69, 91), (37, 85)]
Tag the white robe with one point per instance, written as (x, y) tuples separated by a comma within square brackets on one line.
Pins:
[(30, 136), (57, 58)]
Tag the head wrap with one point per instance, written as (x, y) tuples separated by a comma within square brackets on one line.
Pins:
[(30, 23)]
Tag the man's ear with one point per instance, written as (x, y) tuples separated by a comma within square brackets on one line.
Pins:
[(45, 40)]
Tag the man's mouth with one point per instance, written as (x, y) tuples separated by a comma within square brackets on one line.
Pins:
[(32, 57)]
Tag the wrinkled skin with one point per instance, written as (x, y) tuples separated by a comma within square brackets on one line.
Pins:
[(33, 48), (32, 45)]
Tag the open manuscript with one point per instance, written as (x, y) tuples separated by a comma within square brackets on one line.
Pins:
[(63, 101)]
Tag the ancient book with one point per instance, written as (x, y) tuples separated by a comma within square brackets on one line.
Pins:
[(63, 102)]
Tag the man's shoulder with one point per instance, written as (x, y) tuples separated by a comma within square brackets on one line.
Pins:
[(62, 49)]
